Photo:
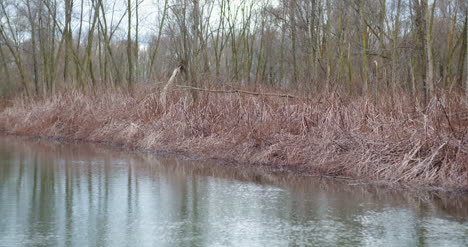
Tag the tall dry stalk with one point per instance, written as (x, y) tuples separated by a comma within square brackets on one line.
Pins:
[(384, 140)]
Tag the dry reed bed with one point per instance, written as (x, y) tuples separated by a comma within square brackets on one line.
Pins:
[(383, 140)]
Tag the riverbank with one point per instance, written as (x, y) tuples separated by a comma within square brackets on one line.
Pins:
[(388, 140)]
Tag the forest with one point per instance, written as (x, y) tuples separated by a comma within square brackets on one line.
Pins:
[(367, 89), (361, 46)]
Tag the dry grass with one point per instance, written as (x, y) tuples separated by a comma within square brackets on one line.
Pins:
[(384, 140)]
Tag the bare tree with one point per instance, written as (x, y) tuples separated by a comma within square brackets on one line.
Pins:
[(158, 41), (305, 44), (364, 45), (129, 44), (292, 23), (13, 45), (32, 21)]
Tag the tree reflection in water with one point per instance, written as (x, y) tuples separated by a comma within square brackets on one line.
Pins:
[(68, 194)]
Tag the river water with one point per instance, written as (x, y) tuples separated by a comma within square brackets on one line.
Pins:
[(64, 194)]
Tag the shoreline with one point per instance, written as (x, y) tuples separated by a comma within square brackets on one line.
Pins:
[(381, 142), (236, 165)]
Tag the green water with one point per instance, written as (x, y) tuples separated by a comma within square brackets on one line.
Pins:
[(56, 194)]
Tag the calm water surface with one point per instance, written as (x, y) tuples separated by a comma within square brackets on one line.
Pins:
[(56, 194)]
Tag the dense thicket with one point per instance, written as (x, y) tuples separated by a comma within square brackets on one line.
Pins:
[(364, 46), (381, 141)]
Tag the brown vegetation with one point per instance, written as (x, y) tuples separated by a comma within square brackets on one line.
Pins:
[(389, 139)]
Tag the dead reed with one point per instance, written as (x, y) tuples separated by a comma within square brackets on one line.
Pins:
[(389, 139)]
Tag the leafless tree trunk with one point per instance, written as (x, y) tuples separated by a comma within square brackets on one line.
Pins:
[(33, 46), (137, 46), (154, 56), (292, 23), (396, 30), (462, 63), (129, 44), (89, 46), (195, 47), (364, 46), (428, 39), (68, 36)]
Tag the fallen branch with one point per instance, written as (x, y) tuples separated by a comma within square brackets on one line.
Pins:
[(238, 91)]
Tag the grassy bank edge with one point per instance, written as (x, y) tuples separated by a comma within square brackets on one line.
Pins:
[(304, 172)]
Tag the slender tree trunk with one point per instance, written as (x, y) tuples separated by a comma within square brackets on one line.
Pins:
[(52, 18), (430, 61), (219, 41), (100, 51), (261, 53), (137, 46), (107, 44), (381, 78), (450, 49), (466, 53), (420, 9), (89, 47), (292, 20), (282, 55), (129, 44), (195, 47), (312, 39), (326, 38), (364, 47), (68, 36), (78, 71), (6, 70), (396, 30), (234, 52), (154, 56), (33, 44), (350, 71), (43, 51), (462, 63)]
